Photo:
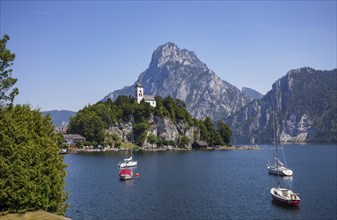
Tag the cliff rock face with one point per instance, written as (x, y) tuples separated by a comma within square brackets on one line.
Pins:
[(251, 93), (162, 127), (304, 102), (179, 73)]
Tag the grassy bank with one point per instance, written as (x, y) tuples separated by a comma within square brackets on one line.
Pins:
[(37, 215)]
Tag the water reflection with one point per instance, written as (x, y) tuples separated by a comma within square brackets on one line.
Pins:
[(281, 205), (288, 179)]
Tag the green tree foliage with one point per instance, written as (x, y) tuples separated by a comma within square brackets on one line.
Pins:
[(6, 81), (93, 121), (152, 139), (112, 140), (169, 104), (225, 132), (140, 132), (183, 141), (204, 133), (160, 109), (143, 112), (31, 171), (212, 136), (60, 139), (173, 108)]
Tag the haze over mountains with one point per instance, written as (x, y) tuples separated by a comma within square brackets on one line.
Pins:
[(180, 74), (59, 116)]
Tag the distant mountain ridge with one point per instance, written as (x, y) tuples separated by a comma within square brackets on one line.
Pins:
[(305, 104), (251, 93), (304, 98), (58, 116), (179, 73)]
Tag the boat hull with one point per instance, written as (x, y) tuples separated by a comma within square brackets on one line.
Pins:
[(282, 171), (125, 177), (128, 164), (125, 174), (291, 198)]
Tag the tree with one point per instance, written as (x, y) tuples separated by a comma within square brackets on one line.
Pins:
[(183, 141), (152, 139), (32, 174), (225, 132), (140, 130), (204, 133), (89, 124), (6, 81)]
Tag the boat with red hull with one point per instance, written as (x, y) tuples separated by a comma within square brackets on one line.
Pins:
[(285, 196), (125, 174)]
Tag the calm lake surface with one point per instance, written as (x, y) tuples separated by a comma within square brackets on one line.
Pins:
[(201, 185)]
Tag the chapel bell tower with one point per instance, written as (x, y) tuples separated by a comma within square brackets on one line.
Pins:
[(139, 92)]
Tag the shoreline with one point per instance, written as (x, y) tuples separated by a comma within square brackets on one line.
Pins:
[(222, 148)]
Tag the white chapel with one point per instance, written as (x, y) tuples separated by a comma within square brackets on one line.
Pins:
[(140, 95)]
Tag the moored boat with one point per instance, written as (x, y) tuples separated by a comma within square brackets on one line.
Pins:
[(285, 196), (125, 174), (279, 170), (128, 162), (276, 166), (282, 195)]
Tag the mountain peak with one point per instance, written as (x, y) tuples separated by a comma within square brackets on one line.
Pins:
[(171, 53), (180, 74), (251, 93)]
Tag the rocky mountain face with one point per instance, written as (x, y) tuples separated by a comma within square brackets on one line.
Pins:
[(304, 103), (179, 73), (251, 93), (161, 127)]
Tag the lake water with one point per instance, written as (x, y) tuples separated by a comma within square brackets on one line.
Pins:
[(201, 185)]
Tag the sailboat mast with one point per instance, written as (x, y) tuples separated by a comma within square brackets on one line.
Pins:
[(276, 147), (275, 136), (276, 139)]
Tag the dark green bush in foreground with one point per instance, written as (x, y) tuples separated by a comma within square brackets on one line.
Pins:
[(32, 174)]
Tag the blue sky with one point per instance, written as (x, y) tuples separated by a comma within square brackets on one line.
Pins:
[(72, 53)]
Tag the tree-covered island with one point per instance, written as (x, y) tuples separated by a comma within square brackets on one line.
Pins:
[(116, 124)]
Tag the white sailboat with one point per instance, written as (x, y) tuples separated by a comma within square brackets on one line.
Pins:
[(128, 162), (279, 194), (275, 166)]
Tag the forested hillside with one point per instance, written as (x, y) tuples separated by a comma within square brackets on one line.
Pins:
[(169, 123)]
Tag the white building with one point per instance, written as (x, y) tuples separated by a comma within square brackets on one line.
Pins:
[(140, 95)]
